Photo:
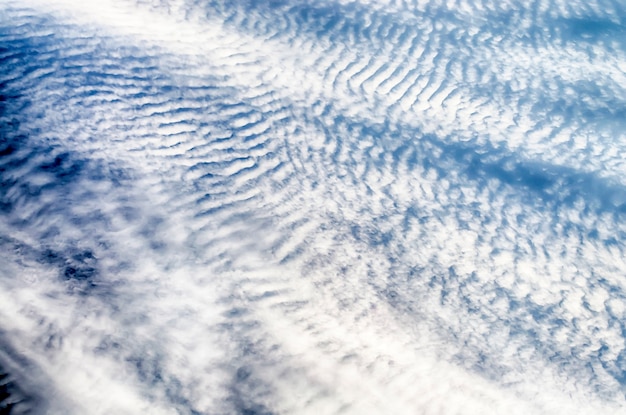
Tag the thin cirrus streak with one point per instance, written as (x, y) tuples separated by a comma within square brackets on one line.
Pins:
[(297, 207)]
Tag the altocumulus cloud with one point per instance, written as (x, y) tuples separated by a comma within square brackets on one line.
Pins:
[(312, 207)]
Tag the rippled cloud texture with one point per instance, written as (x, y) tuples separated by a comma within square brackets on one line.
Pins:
[(312, 207)]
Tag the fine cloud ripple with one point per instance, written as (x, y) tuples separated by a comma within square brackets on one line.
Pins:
[(312, 207)]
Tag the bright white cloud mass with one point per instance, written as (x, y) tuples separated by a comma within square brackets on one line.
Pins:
[(312, 207)]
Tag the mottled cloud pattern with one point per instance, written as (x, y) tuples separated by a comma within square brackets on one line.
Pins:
[(297, 207)]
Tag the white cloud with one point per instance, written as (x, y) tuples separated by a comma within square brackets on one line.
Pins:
[(249, 215)]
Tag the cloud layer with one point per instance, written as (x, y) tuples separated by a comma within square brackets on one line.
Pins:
[(297, 207)]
